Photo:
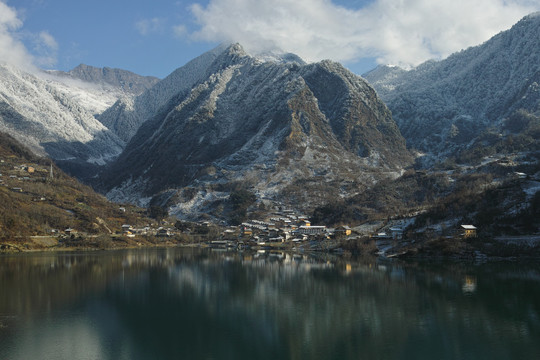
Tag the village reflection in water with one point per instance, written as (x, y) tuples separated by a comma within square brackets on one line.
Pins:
[(197, 303)]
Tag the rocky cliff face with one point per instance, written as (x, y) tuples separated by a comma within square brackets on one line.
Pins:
[(444, 107), (285, 130)]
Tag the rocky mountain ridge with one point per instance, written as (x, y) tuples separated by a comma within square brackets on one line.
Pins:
[(290, 132), (443, 107), (56, 113), (284, 130), (129, 82), (127, 114)]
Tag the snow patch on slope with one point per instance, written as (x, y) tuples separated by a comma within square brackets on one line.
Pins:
[(130, 191), (95, 98), (48, 115)]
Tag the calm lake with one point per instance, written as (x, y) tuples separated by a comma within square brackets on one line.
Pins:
[(183, 303)]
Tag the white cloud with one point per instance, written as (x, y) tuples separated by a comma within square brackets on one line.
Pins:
[(417, 30), (405, 32), (149, 26), (180, 31), (45, 48), (12, 49), (48, 40)]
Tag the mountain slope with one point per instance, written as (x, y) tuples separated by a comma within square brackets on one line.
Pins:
[(442, 107), (126, 115), (33, 203), (299, 133), (55, 119)]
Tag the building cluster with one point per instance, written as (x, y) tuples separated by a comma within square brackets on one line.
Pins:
[(129, 231), (396, 232), (162, 231), (283, 226), (17, 174)]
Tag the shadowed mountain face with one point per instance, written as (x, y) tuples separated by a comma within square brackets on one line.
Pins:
[(300, 133), (448, 106)]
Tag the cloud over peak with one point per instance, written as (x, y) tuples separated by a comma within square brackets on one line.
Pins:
[(404, 33)]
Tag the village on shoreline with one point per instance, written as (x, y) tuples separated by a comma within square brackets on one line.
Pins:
[(282, 229)]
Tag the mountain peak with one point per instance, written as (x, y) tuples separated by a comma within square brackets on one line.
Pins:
[(284, 130), (126, 80), (533, 16), (280, 58), (236, 49)]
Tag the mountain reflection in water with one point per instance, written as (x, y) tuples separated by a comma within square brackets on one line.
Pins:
[(199, 304)]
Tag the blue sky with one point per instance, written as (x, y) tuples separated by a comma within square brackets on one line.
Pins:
[(154, 37)]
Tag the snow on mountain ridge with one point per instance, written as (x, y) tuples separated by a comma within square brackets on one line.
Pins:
[(280, 58), (441, 106), (125, 118), (94, 97), (50, 118), (269, 125), (127, 81)]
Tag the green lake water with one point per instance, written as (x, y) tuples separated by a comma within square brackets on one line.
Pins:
[(183, 303)]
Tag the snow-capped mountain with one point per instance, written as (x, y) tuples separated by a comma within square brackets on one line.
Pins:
[(444, 106), (55, 116), (127, 114), (284, 129)]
